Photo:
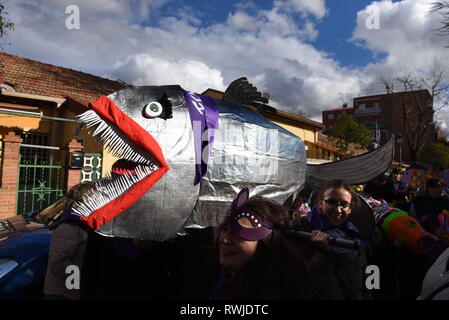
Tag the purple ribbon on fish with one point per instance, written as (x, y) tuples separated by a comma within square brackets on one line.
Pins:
[(203, 111)]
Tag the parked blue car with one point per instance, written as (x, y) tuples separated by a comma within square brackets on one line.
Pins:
[(23, 262)]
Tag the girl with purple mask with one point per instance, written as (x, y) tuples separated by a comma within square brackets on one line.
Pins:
[(257, 261)]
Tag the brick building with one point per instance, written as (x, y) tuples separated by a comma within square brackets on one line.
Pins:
[(407, 115), (330, 115), (38, 131)]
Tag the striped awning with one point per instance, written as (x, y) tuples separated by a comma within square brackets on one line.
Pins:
[(356, 170)]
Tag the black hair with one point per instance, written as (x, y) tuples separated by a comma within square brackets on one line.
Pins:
[(335, 184), (76, 193), (270, 210)]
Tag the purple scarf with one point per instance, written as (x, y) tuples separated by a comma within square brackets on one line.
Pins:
[(319, 220), (322, 223), (203, 111)]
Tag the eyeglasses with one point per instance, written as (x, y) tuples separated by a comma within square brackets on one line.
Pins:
[(334, 203)]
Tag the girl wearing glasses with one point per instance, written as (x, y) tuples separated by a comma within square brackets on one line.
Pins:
[(339, 273)]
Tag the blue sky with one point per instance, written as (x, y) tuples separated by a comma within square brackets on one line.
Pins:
[(336, 31), (309, 55)]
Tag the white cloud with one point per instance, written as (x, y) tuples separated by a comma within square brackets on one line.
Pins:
[(316, 8), (271, 20), (245, 5), (310, 93), (270, 47), (134, 9), (144, 69), (406, 34), (267, 46), (243, 21), (407, 38)]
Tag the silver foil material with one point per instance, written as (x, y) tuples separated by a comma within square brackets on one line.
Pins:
[(248, 151)]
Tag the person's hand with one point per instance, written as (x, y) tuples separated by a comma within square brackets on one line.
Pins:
[(319, 238)]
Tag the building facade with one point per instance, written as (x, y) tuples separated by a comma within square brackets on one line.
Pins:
[(406, 115), (329, 116), (39, 133)]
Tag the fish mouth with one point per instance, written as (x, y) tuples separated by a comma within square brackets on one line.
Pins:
[(141, 163)]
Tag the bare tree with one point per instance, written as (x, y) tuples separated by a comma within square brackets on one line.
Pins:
[(441, 136), (5, 24), (419, 98), (443, 8)]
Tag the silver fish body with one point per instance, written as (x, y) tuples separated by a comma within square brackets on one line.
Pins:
[(248, 151)]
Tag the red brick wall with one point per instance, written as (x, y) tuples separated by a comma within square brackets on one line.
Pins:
[(330, 122), (392, 116), (10, 167)]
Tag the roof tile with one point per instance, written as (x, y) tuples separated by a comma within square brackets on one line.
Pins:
[(34, 77)]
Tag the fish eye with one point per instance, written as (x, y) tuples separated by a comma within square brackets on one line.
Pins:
[(153, 110)]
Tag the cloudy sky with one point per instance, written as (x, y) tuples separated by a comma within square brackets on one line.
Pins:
[(309, 55)]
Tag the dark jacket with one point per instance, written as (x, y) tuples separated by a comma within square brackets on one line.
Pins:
[(376, 189), (396, 193), (296, 285), (339, 274), (425, 205), (68, 243)]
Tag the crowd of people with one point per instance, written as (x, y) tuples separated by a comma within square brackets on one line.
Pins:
[(252, 255)]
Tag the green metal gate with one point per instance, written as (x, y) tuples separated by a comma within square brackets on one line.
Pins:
[(40, 177), (40, 184)]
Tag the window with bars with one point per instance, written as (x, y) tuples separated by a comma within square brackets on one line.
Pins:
[(41, 177), (34, 138), (33, 156)]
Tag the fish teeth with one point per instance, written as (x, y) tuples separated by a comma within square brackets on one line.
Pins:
[(106, 133), (111, 138), (114, 142), (128, 152), (100, 128), (107, 188)]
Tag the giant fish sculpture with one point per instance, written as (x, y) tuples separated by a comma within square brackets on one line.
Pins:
[(184, 157)]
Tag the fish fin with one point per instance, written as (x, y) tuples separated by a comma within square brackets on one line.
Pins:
[(243, 92)]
